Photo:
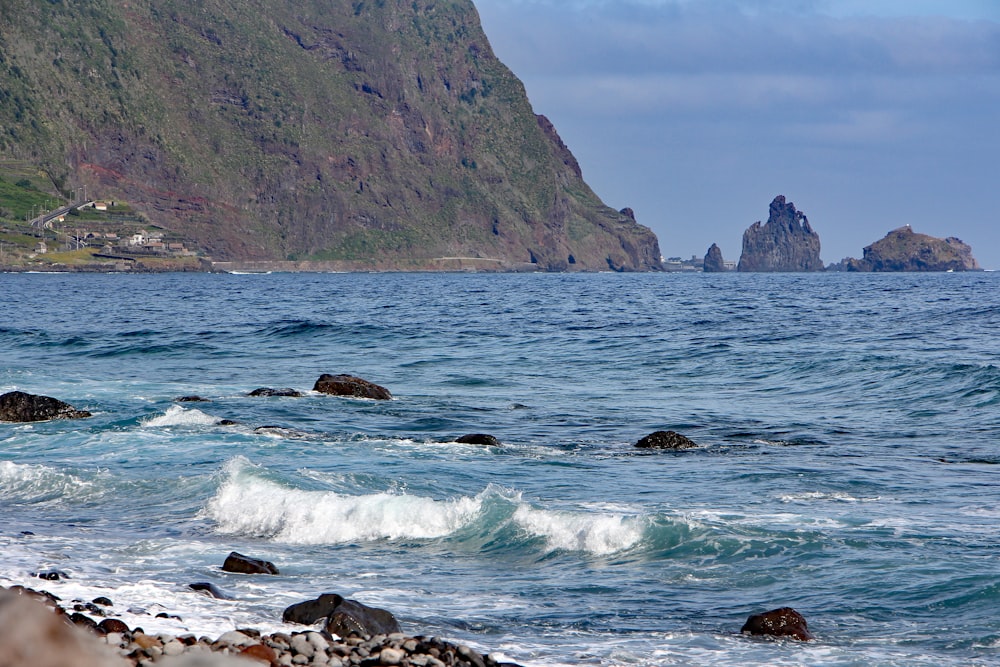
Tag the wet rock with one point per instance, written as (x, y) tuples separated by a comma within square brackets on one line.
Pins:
[(268, 391), (210, 590), (110, 625), (479, 439), (666, 440), (350, 385), (237, 562), (191, 399), (227, 422), (103, 601), (783, 622), (18, 406), (343, 617), (50, 575)]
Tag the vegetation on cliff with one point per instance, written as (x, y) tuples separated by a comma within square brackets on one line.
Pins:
[(378, 132)]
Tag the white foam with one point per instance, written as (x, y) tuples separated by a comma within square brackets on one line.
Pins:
[(178, 416), (599, 534), (33, 483), (247, 504), (824, 495)]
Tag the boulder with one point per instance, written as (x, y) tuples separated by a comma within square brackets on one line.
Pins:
[(18, 406), (268, 391), (343, 616), (479, 439), (786, 242), (714, 263), (666, 440), (350, 385), (783, 622), (237, 562)]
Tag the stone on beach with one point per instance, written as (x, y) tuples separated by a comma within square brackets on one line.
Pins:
[(237, 562), (343, 617), (18, 406), (666, 440), (783, 622), (350, 385)]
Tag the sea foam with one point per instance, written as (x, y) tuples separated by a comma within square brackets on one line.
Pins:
[(178, 416), (599, 534)]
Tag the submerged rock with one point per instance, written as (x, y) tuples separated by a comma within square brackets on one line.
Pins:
[(786, 242), (479, 439), (191, 399), (350, 385), (18, 406), (237, 562), (783, 622), (268, 391), (666, 440), (210, 590)]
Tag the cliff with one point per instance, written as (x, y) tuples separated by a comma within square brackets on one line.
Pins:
[(903, 249), (785, 243), (377, 133)]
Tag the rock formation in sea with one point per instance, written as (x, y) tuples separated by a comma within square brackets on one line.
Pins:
[(714, 263), (786, 242), (783, 622), (348, 135), (902, 249), (350, 385), (18, 406), (665, 440)]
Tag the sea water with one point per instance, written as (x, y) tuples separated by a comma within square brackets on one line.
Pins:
[(848, 430)]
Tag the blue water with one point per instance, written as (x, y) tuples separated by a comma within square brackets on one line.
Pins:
[(848, 429)]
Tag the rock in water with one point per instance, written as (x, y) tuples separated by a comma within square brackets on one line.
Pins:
[(237, 562), (17, 406), (479, 439), (713, 260), (269, 391), (903, 249), (350, 385), (343, 616), (783, 622), (666, 440), (785, 243)]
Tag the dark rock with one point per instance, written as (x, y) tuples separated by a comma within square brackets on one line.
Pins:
[(191, 399), (164, 614), (51, 575), (268, 391), (903, 249), (628, 213), (112, 625), (666, 440), (785, 243), (103, 601), (237, 562), (227, 422), (783, 622), (713, 260), (479, 439), (83, 621), (209, 589), (349, 385), (17, 406), (343, 616)]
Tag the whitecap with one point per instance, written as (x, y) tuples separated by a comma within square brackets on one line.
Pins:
[(178, 416), (599, 534)]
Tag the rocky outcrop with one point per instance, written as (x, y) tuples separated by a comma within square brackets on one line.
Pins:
[(237, 562), (786, 242), (783, 622), (343, 616), (18, 406), (350, 385), (665, 440), (903, 249), (479, 439), (713, 260), (270, 391)]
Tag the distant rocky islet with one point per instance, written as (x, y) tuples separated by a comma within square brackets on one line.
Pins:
[(788, 243)]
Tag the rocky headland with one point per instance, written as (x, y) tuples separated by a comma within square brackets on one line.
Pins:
[(785, 243), (902, 249)]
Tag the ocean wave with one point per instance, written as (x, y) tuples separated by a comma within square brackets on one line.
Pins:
[(599, 534), (178, 416), (27, 483)]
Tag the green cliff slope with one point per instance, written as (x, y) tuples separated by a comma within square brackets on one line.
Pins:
[(382, 133)]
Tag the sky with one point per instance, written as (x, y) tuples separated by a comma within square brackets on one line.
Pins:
[(866, 114)]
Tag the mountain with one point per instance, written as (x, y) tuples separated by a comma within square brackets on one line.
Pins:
[(786, 242), (372, 133), (903, 249)]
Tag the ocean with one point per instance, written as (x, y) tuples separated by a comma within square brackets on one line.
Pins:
[(848, 438)]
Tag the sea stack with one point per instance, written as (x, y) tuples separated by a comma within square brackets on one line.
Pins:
[(713, 260), (902, 249), (786, 242)]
